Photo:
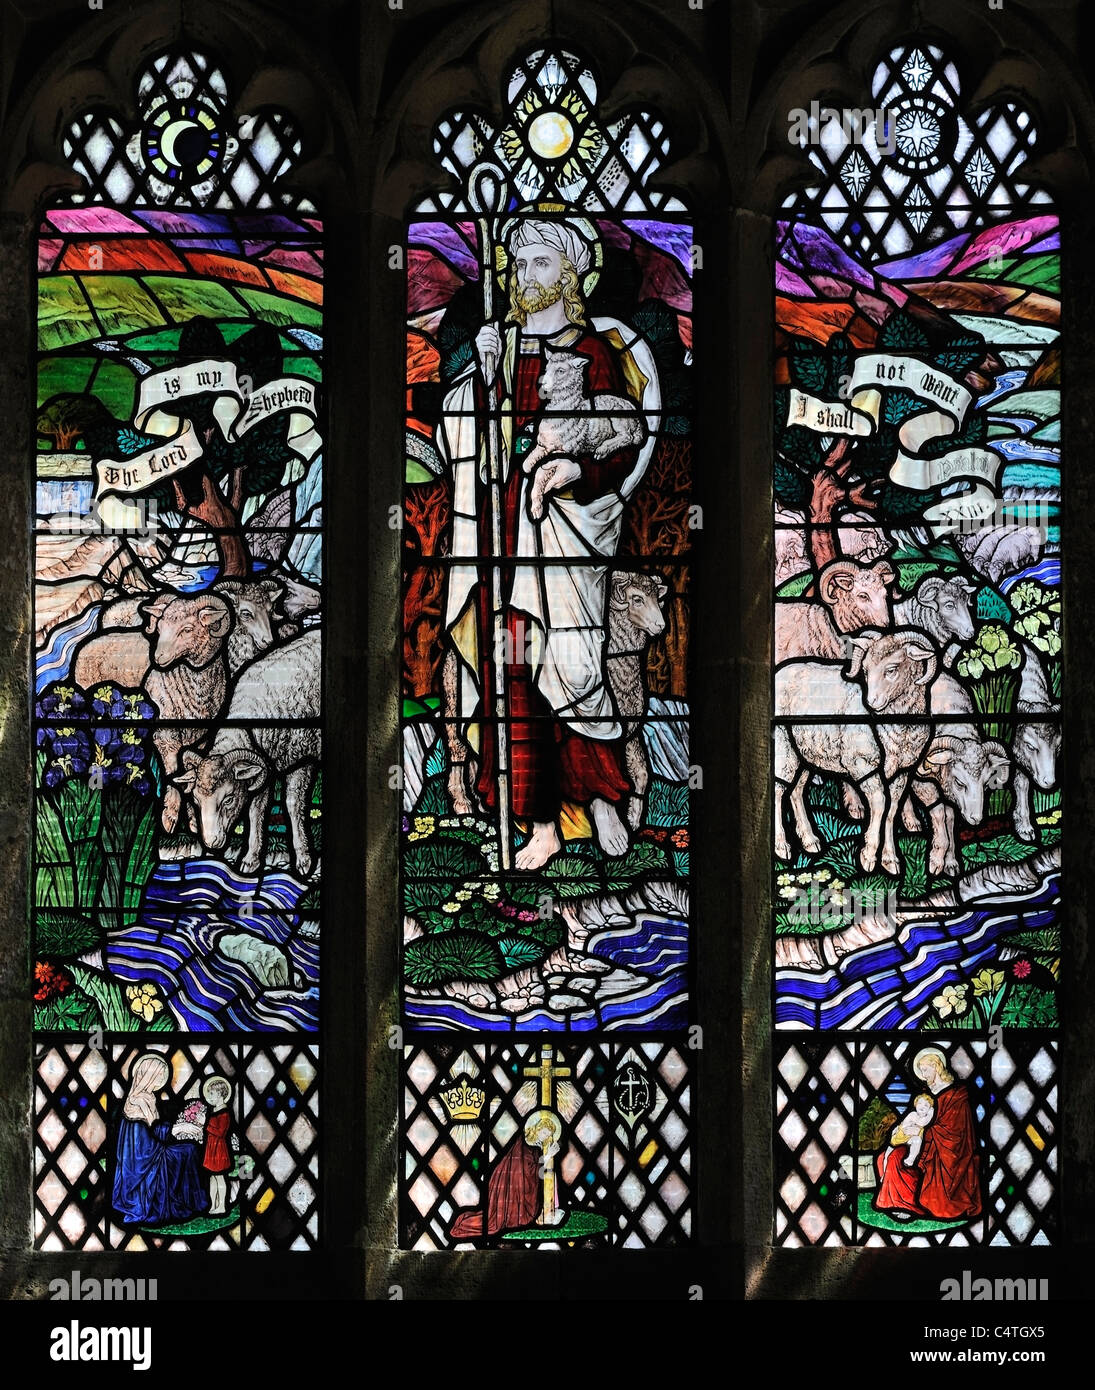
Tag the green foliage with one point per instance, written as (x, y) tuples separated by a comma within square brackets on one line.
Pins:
[(913, 851), (1001, 849), (1028, 1006), (571, 877), (518, 951), (808, 366), (641, 858), (875, 1123), (796, 586), (900, 333), (71, 1012), (961, 353), (62, 935), (667, 804), (441, 859), (791, 488), (456, 955)]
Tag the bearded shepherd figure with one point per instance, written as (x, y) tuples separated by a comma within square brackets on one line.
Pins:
[(564, 736)]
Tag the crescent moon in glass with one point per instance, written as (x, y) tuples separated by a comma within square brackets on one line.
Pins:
[(168, 137)]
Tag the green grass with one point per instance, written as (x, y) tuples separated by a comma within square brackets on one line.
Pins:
[(916, 1226)]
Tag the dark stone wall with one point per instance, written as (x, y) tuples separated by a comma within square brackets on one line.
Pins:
[(367, 84)]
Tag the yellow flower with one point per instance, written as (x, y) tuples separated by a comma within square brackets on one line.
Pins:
[(951, 1001), (463, 894), (987, 981), (144, 1000), (450, 907)]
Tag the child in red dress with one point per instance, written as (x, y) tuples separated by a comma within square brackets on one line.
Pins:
[(217, 1092)]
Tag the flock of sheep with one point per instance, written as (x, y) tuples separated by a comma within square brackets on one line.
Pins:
[(863, 692), (237, 657)]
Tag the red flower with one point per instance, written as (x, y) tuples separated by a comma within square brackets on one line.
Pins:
[(1021, 969), (50, 980), (680, 838)]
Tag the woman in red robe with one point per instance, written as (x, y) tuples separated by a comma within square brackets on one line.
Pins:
[(943, 1182), (948, 1161)]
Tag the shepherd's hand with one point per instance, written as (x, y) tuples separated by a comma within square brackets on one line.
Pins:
[(551, 477), (488, 348)]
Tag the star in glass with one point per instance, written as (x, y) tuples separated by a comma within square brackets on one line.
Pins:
[(917, 133), (979, 172), (855, 174), (918, 209), (916, 70)]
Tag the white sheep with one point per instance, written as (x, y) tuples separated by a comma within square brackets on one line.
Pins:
[(177, 658), (895, 669), (634, 616), (1037, 743), (851, 597), (283, 683), (577, 424), (940, 607)]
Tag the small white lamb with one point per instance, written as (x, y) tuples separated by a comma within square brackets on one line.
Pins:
[(577, 424)]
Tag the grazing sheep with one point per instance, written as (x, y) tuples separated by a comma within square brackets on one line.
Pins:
[(577, 424), (1037, 743), (634, 617), (178, 659), (940, 607), (852, 597), (959, 767), (895, 670), (283, 683)]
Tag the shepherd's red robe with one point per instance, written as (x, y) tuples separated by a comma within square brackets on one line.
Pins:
[(549, 763)]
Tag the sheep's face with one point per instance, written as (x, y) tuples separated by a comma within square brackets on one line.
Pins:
[(563, 375), (255, 609), (893, 665), (220, 787), (857, 595), (1038, 745), (189, 630), (952, 603), (641, 604)]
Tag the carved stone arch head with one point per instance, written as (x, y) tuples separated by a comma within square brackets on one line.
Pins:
[(639, 60), (999, 55), (267, 65)]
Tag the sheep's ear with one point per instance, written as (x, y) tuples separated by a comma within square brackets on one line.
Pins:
[(274, 589), (619, 588), (217, 617), (998, 769), (965, 584), (153, 610), (860, 647), (917, 652), (885, 571), (190, 759), (250, 772), (842, 579), (928, 594), (663, 588), (231, 587), (185, 781)]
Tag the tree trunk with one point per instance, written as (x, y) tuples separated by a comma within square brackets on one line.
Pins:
[(227, 532)]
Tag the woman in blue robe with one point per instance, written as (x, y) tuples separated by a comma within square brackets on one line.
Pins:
[(157, 1178)]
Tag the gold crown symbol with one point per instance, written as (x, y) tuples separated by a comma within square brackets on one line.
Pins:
[(463, 1101)]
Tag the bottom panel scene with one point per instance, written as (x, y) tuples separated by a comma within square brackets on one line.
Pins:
[(176, 1146), (540, 1146), (916, 1143)]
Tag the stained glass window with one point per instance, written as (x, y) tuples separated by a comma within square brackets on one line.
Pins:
[(178, 654), (917, 684), (546, 619)]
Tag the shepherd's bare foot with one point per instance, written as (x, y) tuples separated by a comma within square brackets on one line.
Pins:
[(609, 829), (543, 844)]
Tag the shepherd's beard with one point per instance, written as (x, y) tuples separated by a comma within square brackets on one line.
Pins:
[(532, 298)]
